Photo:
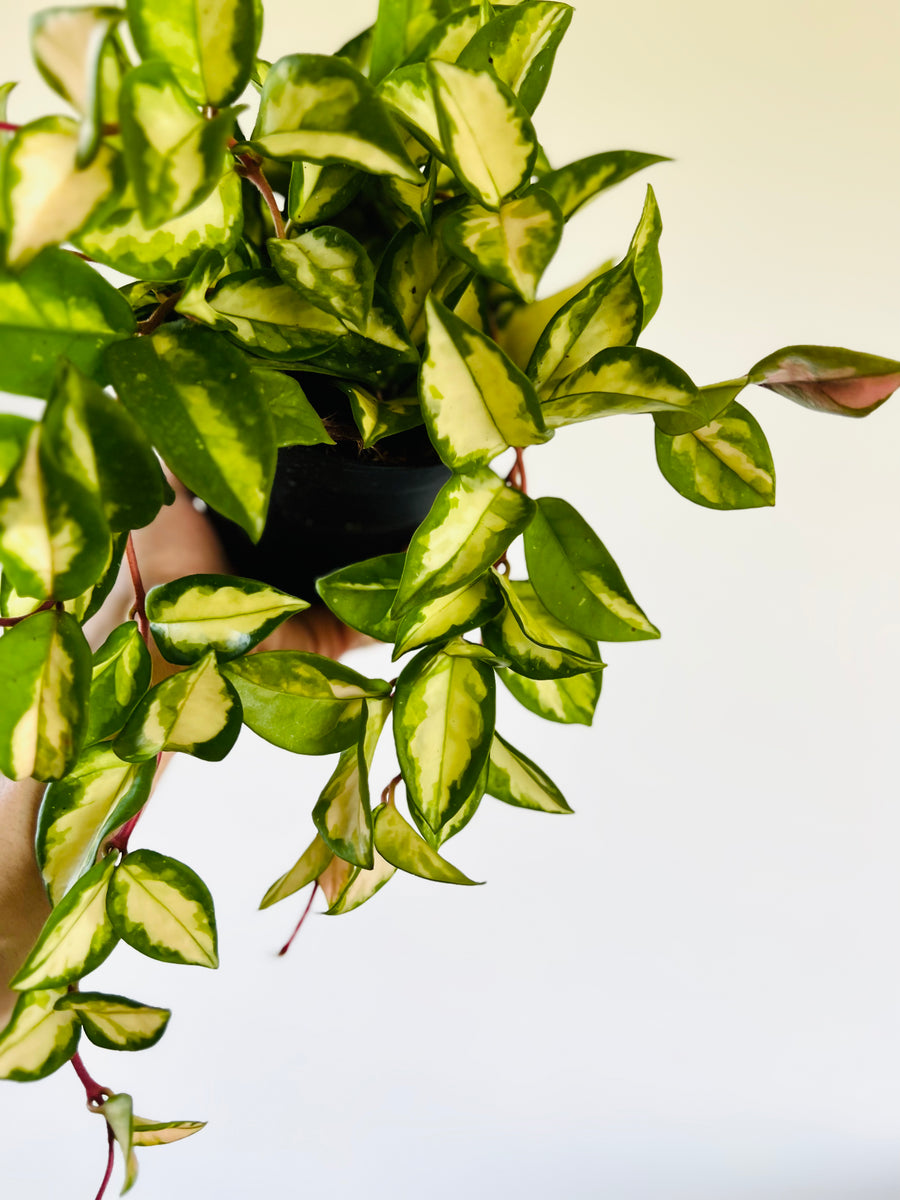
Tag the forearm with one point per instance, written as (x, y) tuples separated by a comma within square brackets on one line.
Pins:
[(23, 902)]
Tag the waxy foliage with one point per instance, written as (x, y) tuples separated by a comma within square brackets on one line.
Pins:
[(380, 220)]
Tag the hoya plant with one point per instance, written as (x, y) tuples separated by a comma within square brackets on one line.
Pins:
[(332, 265)]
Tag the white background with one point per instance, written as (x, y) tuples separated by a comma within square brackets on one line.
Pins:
[(688, 990)]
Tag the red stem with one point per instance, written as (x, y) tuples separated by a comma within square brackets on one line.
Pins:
[(387, 796), (287, 945), (250, 169), (516, 477), (94, 1091), (140, 595), (8, 622), (110, 1159), (158, 315), (7, 128)]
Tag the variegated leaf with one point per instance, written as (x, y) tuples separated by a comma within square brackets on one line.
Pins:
[(576, 578), (195, 397), (342, 813), (486, 134), (175, 156), (575, 184), (516, 780), (621, 379), (309, 866), (77, 936), (443, 725), (607, 312), (460, 818), (415, 200), (336, 879), (330, 269), (57, 307), (38, 1039), (322, 109), (457, 612), (361, 885), (472, 521), (828, 378), (114, 1022), (513, 245), (14, 431), (409, 95), (230, 615), (569, 701), (520, 44), (45, 676), (416, 265), (120, 674), (707, 404), (361, 595), (211, 44), (520, 325), (172, 250), (403, 848), (644, 255), (71, 49), (449, 37), (302, 702), (535, 643), (400, 26), (47, 197), (295, 420), (376, 418), (725, 464), (318, 193), (195, 711), (163, 909), (118, 1113), (161, 1133), (78, 812), (272, 319), (476, 403)]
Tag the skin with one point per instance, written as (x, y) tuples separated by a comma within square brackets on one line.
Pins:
[(179, 542)]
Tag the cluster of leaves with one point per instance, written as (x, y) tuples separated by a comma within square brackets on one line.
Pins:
[(418, 213)]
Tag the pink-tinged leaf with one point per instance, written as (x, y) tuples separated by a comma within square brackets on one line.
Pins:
[(828, 378)]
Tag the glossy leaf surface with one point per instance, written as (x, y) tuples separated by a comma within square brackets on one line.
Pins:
[(578, 182), (120, 674), (330, 269), (163, 909), (403, 848), (528, 637), (114, 1022), (571, 701), (515, 779), (362, 594), (519, 45), (828, 378), (621, 379), (454, 613), (295, 421), (309, 866), (117, 1109), (576, 578), (38, 1039), (160, 1133)]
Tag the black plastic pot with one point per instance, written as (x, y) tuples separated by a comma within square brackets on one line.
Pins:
[(327, 511)]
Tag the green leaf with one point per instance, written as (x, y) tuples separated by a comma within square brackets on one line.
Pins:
[(58, 307), (295, 420), (82, 809), (460, 818), (376, 418), (47, 198), (607, 312), (361, 595), (114, 1022), (569, 701), (72, 48), (163, 909), (211, 44), (533, 641), (118, 1113), (175, 156), (45, 675), (160, 1133), (195, 397), (342, 813), (644, 255), (272, 319), (520, 44), (621, 379), (513, 245), (576, 578), (76, 937), (516, 780), (416, 265), (486, 134), (443, 725), (318, 193), (114, 451), (457, 612), (408, 94), (476, 404), (120, 674), (449, 37), (330, 269), (575, 184), (400, 25), (172, 250), (302, 702), (472, 521), (231, 615), (38, 1039), (319, 108), (401, 846), (828, 378), (309, 866), (195, 711), (707, 404), (725, 464), (415, 200)]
